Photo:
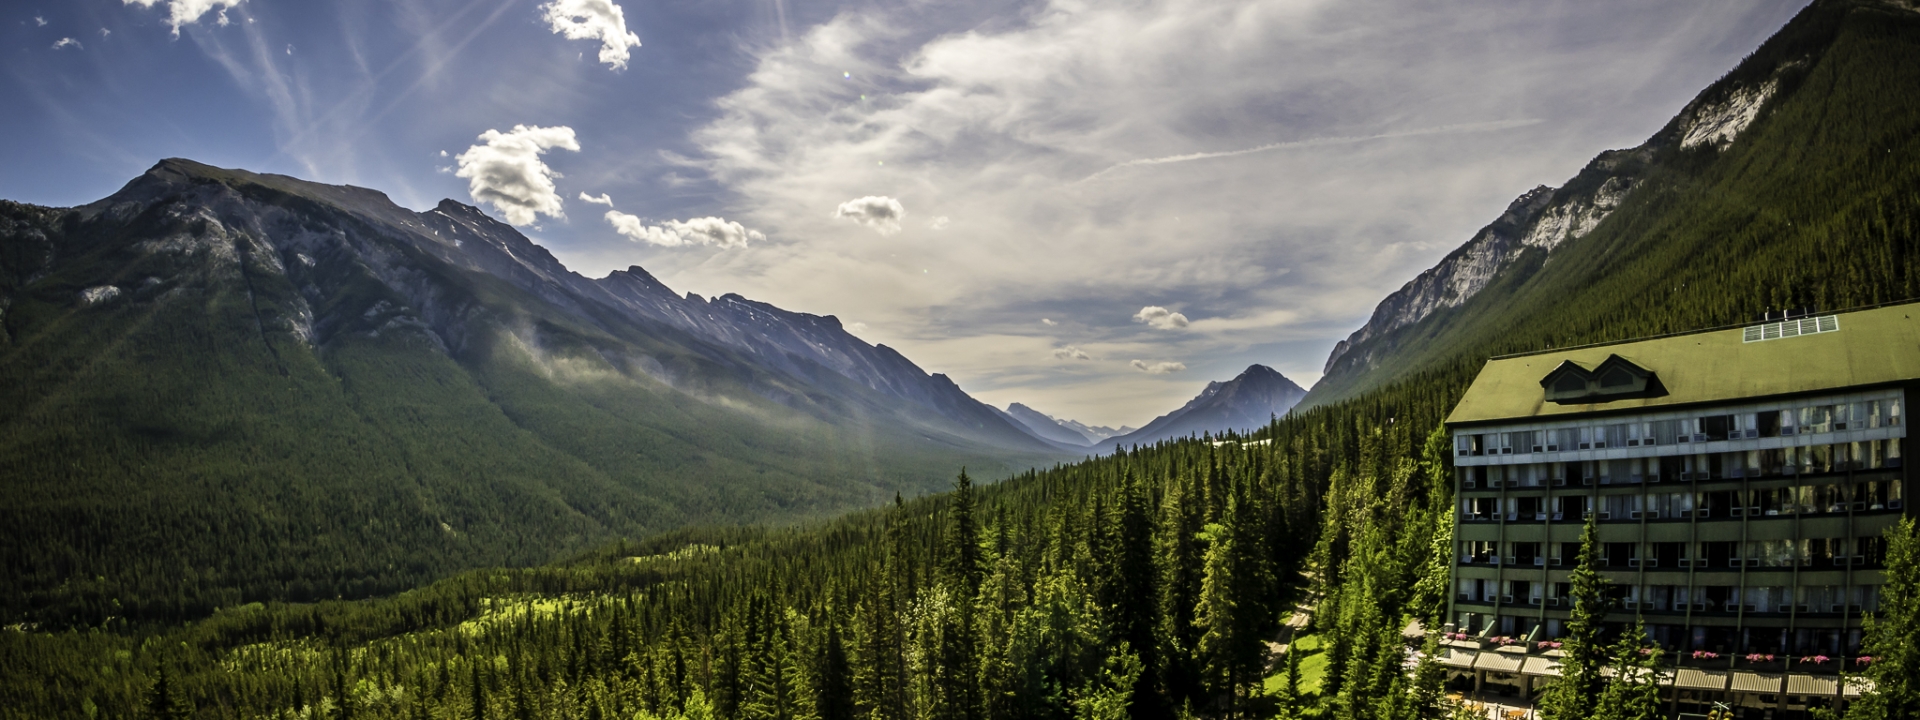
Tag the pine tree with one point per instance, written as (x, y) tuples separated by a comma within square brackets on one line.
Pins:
[(478, 699), (1577, 693), (1181, 555), (963, 563), (1135, 611), (834, 681), (1892, 635), (1215, 616), (164, 701), (1634, 692)]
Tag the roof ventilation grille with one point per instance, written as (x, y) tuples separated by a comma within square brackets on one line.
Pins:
[(1791, 328)]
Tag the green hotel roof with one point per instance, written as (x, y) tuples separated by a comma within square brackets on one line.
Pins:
[(1872, 347)]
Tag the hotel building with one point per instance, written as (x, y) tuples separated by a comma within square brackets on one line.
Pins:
[(1741, 479)]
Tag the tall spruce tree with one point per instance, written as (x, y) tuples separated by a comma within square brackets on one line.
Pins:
[(164, 701), (1135, 612), (1215, 616), (1634, 692), (1577, 693), (834, 681), (1892, 635)]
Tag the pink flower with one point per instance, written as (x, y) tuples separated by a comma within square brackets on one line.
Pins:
[(1815, 659), (1865, 659)]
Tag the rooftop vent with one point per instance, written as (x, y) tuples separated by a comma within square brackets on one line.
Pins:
[(1791, 328)]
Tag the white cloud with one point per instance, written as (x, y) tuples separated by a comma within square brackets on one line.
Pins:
[(674, 233), (594, 20), (188, 12), (1159, 317), (1159, 368), (858, 327), (506, 171), (67, 42), (879, 212), (602, 200), (1048, 322), (105, 32), (39, 21), (939, 223), (1070, 352)]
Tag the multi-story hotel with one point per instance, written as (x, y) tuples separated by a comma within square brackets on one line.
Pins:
[(1741, 479)]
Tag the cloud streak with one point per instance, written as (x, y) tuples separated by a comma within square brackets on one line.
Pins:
[(1490, 126)]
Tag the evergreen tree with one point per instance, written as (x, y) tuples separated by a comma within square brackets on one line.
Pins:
[(478, 698), (1634, 692), (1181, 554), (1577, 693), (1892, 635), (1135, 611), (964, 568), (834, 681), (1215, 616), (164, 701)]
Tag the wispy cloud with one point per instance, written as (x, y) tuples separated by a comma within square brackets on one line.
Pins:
[(67, 42), (1070, 352), (1318, 143), (602, 200)]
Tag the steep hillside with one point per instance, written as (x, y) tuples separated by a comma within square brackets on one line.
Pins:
[(219, 387), (1793, 180), (1246, 403)]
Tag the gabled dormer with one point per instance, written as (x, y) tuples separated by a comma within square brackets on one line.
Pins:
[(1615, 378)]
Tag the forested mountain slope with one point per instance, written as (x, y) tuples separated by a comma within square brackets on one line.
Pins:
[(218, 387), (1794, 180)]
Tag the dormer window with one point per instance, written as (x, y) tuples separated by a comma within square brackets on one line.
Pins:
[(1571, 383), (1615, 378)]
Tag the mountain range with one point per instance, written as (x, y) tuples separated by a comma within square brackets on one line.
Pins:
[(1060, 430), (365, 397), (1243, 404)]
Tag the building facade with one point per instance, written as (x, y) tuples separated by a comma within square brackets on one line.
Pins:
[(1740, 478)]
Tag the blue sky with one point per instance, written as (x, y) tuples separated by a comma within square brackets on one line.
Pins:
[(1089, 207)]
